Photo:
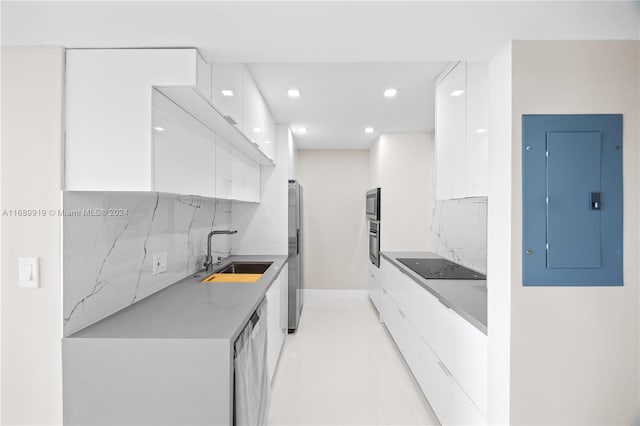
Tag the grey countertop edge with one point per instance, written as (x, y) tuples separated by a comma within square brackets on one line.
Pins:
[(392, 257), (269, 277)]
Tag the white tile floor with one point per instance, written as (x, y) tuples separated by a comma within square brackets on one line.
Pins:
[(341, 368)]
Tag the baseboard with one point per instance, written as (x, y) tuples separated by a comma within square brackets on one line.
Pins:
[(320, 294)]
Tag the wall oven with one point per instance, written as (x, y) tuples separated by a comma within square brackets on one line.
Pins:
[(373, 204), (374, 242)]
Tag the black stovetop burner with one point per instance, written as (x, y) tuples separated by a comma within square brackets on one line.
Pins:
[(440, 269)]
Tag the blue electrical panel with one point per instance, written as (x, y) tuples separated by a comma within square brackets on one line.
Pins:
[(572, 200)]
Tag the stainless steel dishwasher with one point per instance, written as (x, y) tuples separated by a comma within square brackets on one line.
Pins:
[(251, 378)]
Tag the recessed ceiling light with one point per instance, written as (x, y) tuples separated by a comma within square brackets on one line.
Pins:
[(158, 128), (226, 92), (457, 93), (368, 130), (390, 93), (267, 141), (481, 131), (257, 130), (302, 130), (293, 93)]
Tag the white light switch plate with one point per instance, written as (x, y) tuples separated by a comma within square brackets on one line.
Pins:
[(159, 262), (28, 272)]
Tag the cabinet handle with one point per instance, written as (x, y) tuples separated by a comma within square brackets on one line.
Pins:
[(384, 291), (402, 313), (446, 371)]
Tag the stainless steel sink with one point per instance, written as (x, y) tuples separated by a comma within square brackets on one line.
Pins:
[(245, 268)]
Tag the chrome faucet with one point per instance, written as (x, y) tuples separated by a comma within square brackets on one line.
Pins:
[(208, 261)]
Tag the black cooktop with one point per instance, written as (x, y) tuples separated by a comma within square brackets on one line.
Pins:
[(440, 269)]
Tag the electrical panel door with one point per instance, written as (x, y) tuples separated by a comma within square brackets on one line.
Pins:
[(572, 200)]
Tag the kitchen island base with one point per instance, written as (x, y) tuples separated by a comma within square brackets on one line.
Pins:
[(147, 381)]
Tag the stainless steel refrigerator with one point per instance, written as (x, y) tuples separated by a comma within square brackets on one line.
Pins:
[(295, 254)]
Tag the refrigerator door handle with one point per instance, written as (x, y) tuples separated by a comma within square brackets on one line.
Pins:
[(297, 241)]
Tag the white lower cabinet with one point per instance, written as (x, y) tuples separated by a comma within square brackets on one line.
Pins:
[(276, 319), (374, 288), (445, 353)]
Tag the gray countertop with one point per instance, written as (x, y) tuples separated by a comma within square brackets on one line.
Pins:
[(466, 297), (191, 309)]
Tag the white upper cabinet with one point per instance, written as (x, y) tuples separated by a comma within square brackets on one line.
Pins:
[(184, 151), (237, 177), (450, 134), (461, 131), (246, 183), (109, 112), (150, 120), (227, 95), (224, 168), (477, 144), (258, 124), (237, 97), (190, 158)]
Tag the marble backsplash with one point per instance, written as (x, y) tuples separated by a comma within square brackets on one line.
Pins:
[(110, 238), (458, 231)]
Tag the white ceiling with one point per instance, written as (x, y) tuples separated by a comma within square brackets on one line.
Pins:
[(340, 54), (340, 99)]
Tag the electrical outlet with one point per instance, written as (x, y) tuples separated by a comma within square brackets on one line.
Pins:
[(159, 262)]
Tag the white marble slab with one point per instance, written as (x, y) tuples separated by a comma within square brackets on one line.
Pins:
[(108, 257), (458, 231)]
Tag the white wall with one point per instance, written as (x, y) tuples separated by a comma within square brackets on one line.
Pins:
[(499, 249), (262, 228), (400, 164), (574, 351), (32, 131), (335, 239)]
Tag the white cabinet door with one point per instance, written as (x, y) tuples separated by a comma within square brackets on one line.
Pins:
[(454, 341), (268, 144), (227, 81), (462, 105), (258, 123), (108, 113), (275, 330), (461, 346), (375, 289), (477, 144), (252, 182), (245, 179), (184, 151), (252, 122), (465, 354), (387, 309), (450, 134), (237, 177), (284, 300), (224, 168), (447, 399)]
